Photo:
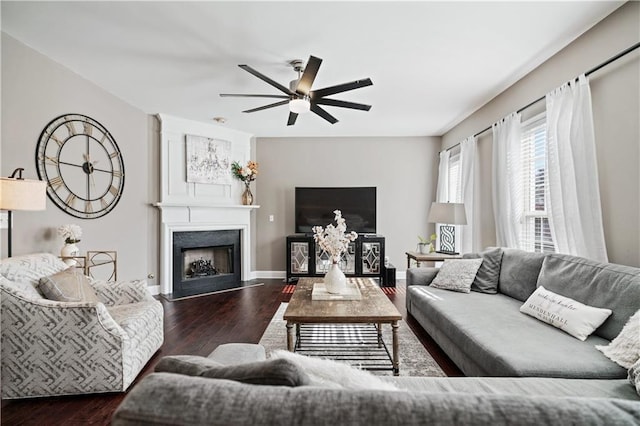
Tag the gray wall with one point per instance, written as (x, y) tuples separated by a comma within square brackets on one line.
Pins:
[(616, 108), (35, 90), (404, 169)]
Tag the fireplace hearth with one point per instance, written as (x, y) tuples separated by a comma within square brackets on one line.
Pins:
[(205, 261)]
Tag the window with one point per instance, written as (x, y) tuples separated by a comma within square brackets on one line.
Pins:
[(535, 234), (454, 191)]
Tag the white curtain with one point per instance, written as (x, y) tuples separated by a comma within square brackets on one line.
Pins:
[(575, 214), (507, 180), (468, 166)]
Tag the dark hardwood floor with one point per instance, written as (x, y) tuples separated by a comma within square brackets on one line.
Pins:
[(194, 326)]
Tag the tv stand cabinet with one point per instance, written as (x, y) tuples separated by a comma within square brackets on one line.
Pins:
[(363, 258)]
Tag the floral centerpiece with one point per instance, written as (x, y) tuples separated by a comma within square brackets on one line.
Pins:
[(71, 234), (246, 174), (335, 241)]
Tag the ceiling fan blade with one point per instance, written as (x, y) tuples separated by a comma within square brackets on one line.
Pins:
[(309, 74), (266, 79), (267, 106), (324, 114), (345, 87), (292, 118), (342, 104), (240, 95)]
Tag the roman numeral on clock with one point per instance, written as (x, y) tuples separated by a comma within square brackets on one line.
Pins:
[(55, 182), (70, 128), (50, 160), (71, 200), (87, 128)]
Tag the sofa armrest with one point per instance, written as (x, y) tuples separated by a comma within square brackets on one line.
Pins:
[(421, 276), (77, 316), (113, 293)]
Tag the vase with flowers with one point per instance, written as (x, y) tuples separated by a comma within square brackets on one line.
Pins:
[(71, 235), (335, 241), (246, 174)]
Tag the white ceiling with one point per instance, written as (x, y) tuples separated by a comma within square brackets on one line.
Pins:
[(432, 63)]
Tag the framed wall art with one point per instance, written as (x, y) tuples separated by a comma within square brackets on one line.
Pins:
[(208, 160)]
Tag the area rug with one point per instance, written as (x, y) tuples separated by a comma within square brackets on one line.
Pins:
[(414, 358)]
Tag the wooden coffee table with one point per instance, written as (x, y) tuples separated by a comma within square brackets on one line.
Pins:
[(374, 308)]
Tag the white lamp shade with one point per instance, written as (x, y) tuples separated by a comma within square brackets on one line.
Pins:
[(22, 194), (449, 213), (299, 106)]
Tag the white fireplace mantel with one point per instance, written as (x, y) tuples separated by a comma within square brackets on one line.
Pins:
[(189, 206), (202, 217)]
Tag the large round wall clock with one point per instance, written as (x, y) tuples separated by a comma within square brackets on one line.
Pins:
[(82, 165)]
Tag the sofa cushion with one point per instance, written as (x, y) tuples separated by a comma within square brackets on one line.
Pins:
[(488, 333), (457, 275), (138, 319), (275, 372), (625, 348), (519, 273), (634, 376), (70, 285), (488, 275), (604, 285), (575, 318), (238, 353), (526, 386), (31, 267), (164, 398)]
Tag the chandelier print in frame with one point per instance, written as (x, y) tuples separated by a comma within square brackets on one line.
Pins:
[(208, 160)]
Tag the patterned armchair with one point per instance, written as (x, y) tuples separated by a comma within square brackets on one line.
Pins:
[(62, 348)]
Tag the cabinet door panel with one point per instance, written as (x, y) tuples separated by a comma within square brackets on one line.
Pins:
[(371, 258), (299, 257), (347, 260)]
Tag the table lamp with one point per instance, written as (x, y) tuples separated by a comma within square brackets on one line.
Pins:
[(17, 193), (447, 214)]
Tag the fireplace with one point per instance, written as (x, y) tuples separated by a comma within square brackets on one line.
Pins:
[(205, 261)]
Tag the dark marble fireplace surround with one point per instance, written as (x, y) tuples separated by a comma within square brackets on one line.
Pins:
[(226, 246)]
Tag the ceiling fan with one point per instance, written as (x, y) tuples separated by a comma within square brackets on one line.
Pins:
[(299, 96)]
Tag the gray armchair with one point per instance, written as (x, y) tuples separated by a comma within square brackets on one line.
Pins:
[(61, 348)]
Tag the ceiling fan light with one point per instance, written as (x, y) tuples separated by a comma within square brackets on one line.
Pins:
[(299, 106)]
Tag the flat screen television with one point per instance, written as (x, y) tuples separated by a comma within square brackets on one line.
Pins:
[(315, 206)]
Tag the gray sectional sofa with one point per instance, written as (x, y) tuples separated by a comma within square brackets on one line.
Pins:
[(486, 335), (570, 382), (209, 391)]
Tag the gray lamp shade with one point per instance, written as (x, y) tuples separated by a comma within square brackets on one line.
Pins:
[(450, 213)]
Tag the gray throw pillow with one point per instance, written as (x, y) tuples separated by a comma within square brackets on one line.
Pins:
[(274, 372), (457, 275), (488, 275), (70, 285)]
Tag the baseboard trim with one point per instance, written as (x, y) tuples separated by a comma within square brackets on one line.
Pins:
[(154, 289), (269, 274), (400, 275)]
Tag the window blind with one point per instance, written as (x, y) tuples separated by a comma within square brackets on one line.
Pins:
[(535, 234), (455, 181)]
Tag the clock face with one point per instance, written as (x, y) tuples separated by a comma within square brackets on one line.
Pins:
[(82, 165)]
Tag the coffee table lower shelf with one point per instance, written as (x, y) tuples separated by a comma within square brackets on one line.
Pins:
[(360, 345)]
